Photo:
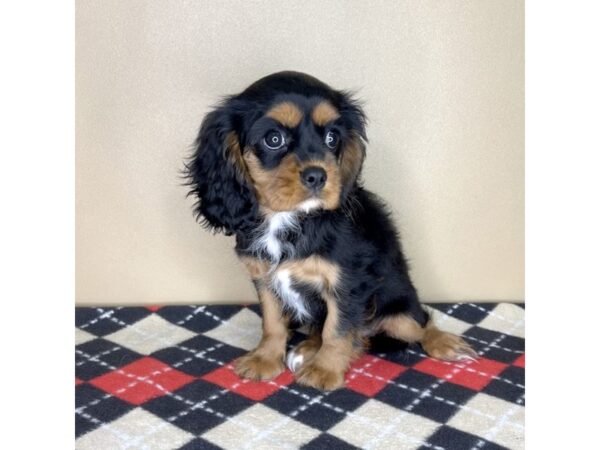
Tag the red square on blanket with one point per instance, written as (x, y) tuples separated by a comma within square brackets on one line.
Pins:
[(471, 374), (254, 390), (520, 361), (369, 374), (142, 380), (153, 308)]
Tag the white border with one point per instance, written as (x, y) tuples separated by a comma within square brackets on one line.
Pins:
[(562, 223), (37, 247), (37, 186)]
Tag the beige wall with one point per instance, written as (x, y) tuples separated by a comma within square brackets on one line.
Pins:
[(443, 83)]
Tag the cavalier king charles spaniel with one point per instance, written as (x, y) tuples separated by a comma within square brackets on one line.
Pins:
[(278, 166)]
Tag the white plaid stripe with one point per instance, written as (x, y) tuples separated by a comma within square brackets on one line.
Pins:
[(138, 380), (309, 400), (242, 330), (293, 436), (438, 398), (202, 309), (495, 314), (94, 358), (487, 312), (360, 370), (440, 317), (192, 405), (467, 368), (199, 405), (150, 334), (500, 423), (492, 344), (316, 399), (427, 392), (319, 399), (490, 433), (129, 431), (104, 425), (284, 421), (369, 418), (107, 314), (145, 379), (103, 315), (166, 344), (452, 309)]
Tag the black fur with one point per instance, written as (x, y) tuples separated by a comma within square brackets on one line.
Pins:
[(225, 201), (359, 236), (366, 246)]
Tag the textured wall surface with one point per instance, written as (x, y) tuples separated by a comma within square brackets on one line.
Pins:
[(443, 86)]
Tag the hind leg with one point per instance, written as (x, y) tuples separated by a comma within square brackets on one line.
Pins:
[(436, 343)]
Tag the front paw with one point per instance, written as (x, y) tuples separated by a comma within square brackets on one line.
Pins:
[(315, 374), (258, 367)]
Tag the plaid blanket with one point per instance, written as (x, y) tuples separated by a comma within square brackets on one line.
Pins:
[(161, 378)]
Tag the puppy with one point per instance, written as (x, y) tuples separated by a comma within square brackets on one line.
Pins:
[(278, 166)]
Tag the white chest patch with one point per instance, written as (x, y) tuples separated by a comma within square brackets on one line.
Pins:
[(292, 300), (269, 241)]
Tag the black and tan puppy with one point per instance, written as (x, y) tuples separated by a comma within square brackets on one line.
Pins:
[(278, 166)]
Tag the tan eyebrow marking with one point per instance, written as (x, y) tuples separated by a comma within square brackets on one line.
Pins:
[(286, 113), (324, 113)]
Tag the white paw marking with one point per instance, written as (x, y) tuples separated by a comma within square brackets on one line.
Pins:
[(294, 360)]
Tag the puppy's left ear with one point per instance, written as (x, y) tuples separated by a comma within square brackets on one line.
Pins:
[(218, 176), (354, 149)]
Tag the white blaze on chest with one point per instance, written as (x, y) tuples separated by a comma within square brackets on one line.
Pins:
[(271, 243), (293, 301), (276, 225)]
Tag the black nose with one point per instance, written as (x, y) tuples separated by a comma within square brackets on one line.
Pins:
[(314, 178)]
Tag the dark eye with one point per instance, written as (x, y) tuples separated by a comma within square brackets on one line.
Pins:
[(332, 139), (274, 140)]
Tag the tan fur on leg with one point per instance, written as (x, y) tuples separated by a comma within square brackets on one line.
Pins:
[(447, 346), (327, 368), (263, 363), (267, 360), (436, 343), (402, 327), (314, 270)]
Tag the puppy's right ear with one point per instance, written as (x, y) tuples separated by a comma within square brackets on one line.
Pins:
[(218, 176)]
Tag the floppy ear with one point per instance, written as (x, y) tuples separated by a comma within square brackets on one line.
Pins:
[(218, 176), (354, 149)]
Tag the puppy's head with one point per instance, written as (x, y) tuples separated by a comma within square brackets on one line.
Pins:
[(287, 143)]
